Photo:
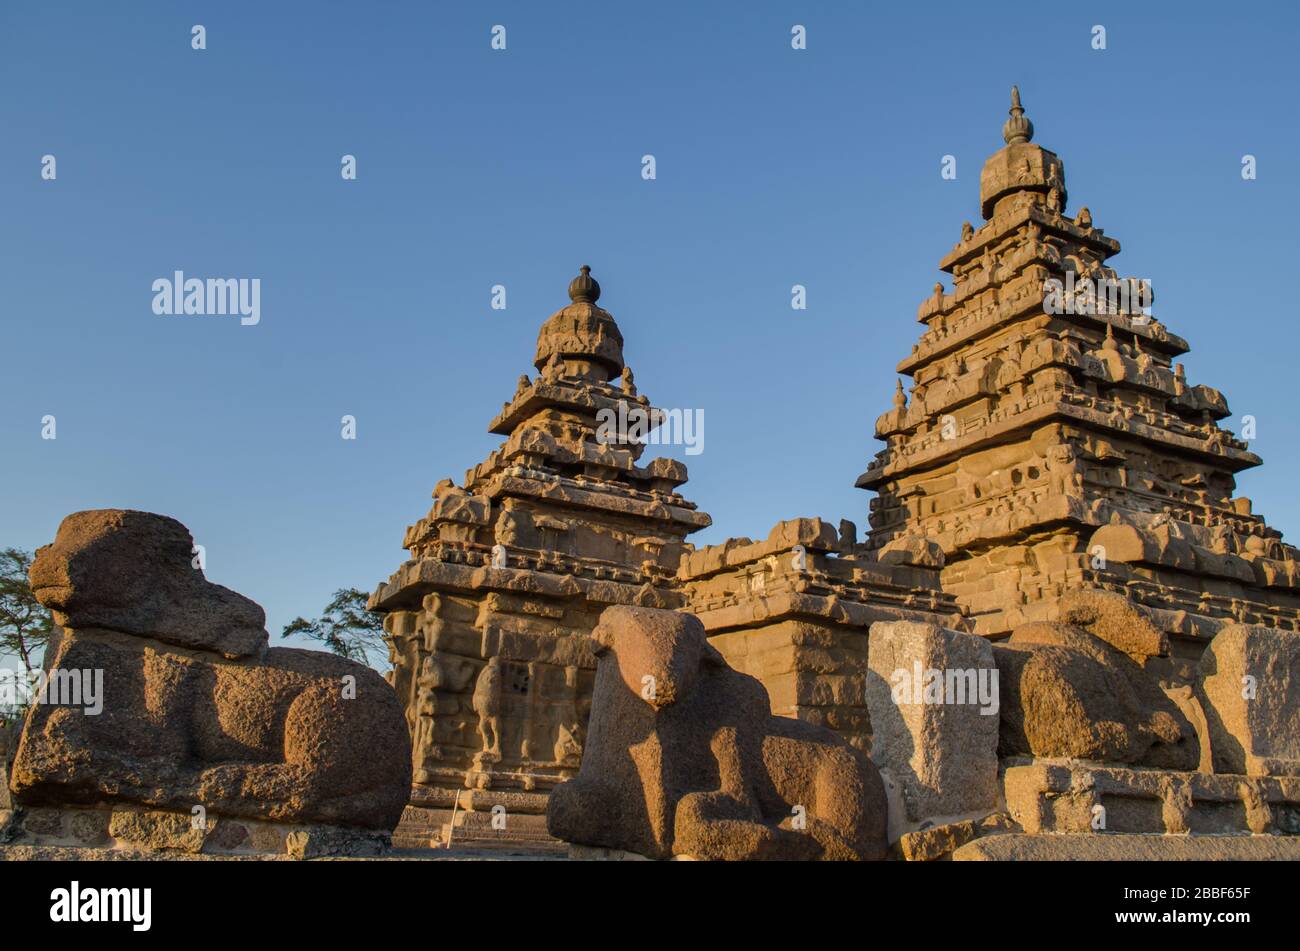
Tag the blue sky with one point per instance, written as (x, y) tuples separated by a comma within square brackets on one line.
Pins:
[(479, 167)]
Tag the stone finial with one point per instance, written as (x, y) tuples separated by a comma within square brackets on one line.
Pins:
[(582, 335), (900, 398), (1017, 128), (584, 288), (1110, 343)]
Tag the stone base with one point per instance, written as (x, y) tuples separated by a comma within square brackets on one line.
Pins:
[(1063, 797), (477, 800), (67, 853), (109, 829), (423, 828), (420, 828), (595, 853), (1130, 848)]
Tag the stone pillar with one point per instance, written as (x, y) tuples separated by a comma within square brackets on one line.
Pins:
[(933, 698), (1250, 690)]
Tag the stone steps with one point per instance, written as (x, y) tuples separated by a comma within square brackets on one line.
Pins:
[(423, 828)]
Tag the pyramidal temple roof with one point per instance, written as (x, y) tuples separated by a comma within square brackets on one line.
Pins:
[(1050, 442)]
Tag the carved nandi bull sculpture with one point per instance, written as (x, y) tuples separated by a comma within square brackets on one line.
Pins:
[(197, 709), (684, 757)]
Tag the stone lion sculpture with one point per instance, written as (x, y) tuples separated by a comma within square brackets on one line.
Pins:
[(684, 757), (196, 709)]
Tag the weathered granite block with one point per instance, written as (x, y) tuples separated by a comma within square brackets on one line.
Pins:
[(935, 730), (1250, 690), (156, 829)]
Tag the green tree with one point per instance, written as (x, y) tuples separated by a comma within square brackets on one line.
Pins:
[(347, 628), (25, 625)]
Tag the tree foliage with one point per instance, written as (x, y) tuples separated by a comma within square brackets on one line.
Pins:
[(347, 628), (25, 625)]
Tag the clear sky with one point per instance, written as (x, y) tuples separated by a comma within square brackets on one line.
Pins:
[(479, 167)]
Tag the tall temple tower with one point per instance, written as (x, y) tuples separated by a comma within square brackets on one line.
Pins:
[(509, 572), (1050, 442)]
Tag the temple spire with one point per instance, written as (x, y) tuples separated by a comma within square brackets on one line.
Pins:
[(584, 288), (1017, 128)]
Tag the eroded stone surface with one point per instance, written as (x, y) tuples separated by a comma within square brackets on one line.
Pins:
[(1250, 691), (939, 842), (938, 745), (130, 831)]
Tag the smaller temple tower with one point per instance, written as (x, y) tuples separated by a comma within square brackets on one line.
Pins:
[(508, 572)]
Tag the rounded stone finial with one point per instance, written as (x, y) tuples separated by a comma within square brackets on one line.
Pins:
[(582, 335), (1017, 128), (584, 288)]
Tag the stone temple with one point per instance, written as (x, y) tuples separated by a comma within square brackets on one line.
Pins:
[(1043, 452), (1046, 446), (1062, 637), (509, 572)]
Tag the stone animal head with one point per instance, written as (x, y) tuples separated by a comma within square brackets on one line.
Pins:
[(133, 572), (1116, 620), (660, 654)]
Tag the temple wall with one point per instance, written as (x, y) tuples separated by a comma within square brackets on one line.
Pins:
[(513, 723), (814, 672), (794, 611)]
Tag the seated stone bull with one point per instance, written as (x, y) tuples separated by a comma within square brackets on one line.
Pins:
[(1084, 688), (684, 757), (196, 709)]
